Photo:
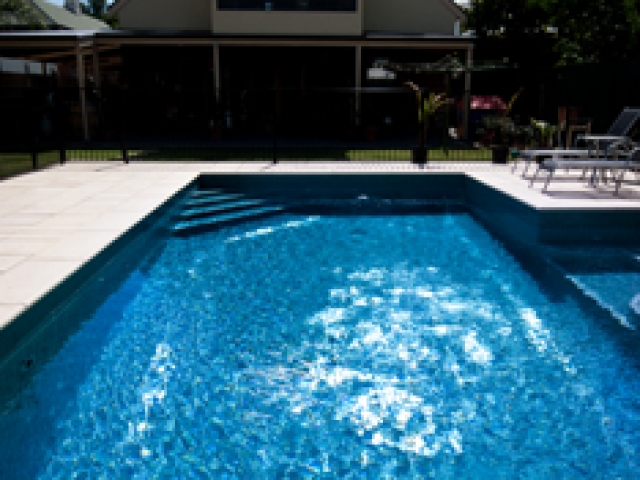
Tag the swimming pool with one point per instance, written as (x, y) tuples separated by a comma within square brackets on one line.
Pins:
[(359, 342)]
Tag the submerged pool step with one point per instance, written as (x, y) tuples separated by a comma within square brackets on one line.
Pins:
[(204, 193), (217, 208), (205, 223), (210, 199)]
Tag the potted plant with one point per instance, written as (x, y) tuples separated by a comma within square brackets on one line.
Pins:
[(215, 129), (500, 130), (427, 107), (546, 131)]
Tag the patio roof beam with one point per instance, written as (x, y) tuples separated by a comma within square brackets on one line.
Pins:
[(60, 54), (24, 44), (289, 42)]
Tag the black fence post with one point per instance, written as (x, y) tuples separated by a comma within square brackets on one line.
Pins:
[(275, 127), (123, 123), (60, 126), (420, 153), (34, 153), (275, 139)]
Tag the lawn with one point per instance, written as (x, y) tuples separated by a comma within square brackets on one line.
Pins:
[(284, 154), (16, 163)]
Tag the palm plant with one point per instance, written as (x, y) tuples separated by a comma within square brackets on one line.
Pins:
[(546, 131), (427, 107)]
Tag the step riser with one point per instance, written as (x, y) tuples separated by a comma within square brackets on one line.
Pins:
[(201, 202), (218, 222), (205, 193), (218, 209)]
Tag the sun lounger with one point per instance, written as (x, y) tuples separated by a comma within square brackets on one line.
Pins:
[(530, 156), (615, 146), (618, 130), (620, 164)]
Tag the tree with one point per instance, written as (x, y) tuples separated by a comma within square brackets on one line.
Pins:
[(578, 31), (520, 30), (94, 8), (19, 14), (98, 9), (595, 30), (509, 19)]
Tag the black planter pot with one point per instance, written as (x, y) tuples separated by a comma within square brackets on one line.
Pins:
[(420, 155), (499, 154)]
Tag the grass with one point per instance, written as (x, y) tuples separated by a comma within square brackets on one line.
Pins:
[(15, 163), (266, 154)]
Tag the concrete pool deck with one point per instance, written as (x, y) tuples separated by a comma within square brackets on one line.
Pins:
[(53, 221)]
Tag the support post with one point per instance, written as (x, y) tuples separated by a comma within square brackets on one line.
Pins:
[(216, 71), (96, 67), (467, 94), (81, 89), (358, 84), (97, 78)]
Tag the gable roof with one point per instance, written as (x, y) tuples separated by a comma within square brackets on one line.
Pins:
[(117, 6), (455, 9), (59, 17)]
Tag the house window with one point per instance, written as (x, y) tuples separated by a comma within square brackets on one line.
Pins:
[(290, 5)]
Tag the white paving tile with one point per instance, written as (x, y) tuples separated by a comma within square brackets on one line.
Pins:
[(9, 261), (9, 311), (31, 279)]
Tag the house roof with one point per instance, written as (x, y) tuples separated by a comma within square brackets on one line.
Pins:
[(116, 6), (455, 9), (59, 17)]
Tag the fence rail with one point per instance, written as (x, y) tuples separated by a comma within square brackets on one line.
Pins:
[(269, 125)]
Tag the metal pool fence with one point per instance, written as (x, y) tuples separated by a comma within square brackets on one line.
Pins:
[(40, 125)]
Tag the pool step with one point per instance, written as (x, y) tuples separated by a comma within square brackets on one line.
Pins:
[(206, 193), (216, 208), (206, 223), (211, 199)]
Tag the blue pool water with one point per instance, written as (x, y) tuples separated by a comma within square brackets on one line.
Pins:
[(334, 346)]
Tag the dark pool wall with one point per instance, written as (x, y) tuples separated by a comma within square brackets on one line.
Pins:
[(349, 185), (505, 216), (607, 227)]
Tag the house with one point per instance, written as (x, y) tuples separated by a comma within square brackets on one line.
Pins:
[(240, 64), (240, 46)]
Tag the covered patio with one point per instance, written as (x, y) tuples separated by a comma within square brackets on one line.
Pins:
[(161, 82)]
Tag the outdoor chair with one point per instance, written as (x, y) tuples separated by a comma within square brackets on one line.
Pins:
[(621, 126), (621, 163)]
